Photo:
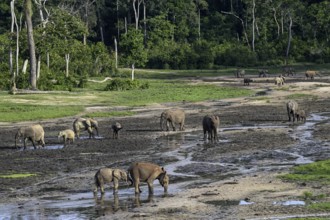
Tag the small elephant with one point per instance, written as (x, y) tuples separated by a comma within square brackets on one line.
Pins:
[(239, 73), (85, 124), (147, 172), (279, 81), (34, 133), (292, 109), (108, 175), (247, 81), (288, 71), (301, 115), (67, 135), (263, 73), (210, 127), (172, 116), (116, 127)]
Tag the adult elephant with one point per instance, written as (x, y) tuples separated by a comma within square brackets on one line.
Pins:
[(292, 109), (85, 124), (108, 175), (210, 127), (172, 117), (147, 172), (311, 74), (34, 133)]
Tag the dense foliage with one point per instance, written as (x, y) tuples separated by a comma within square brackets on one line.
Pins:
[(77, 38)]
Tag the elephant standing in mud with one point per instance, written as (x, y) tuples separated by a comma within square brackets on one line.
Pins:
[(247, 81), (292, 109), (147, 172), (34, 133), (172, 116), (85, 124), (210, 127), (108, 175), (67, 135), (116, 127), (311, 74), (301, 115), (279, 80), (239, 73)]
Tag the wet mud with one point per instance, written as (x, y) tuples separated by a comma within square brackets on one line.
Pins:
[(255, 141)]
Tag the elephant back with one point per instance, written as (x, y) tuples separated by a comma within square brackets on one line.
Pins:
[(38, 132)]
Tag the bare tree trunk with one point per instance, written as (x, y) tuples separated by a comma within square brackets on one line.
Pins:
[(67, 61), (136, 8), (118, 20), (282, 23), (25, 66), (133, 68), (125, 25), (289, 41), (116, 53), (12, 72), (277, 24), (145, 22), (199, 24), (38, 67), (47, 55), (253, 23), (33, 62)]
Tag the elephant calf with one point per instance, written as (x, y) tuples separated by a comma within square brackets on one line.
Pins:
[(292, 109), (67, 135), (116, 127), (279, 81), (147, 172), (34, 133), (301, 115), (210, 127), (85, 124), (108, 175), (247, 81), (172, 116)]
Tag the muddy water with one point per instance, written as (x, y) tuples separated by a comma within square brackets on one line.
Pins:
[(84, 205)]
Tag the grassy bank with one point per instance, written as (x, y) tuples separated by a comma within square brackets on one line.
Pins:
[(25, 107)]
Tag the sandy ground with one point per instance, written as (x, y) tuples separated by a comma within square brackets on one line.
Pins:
[(235, 178)]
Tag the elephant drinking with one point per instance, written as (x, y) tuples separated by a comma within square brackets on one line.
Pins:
[(210, 127), (147, 172)]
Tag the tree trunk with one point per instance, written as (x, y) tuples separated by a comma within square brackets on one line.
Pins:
[(277, 24), (25, 66), (33, 62), (253, 23), (136, 8), (67, 61), (133, 68), (289, 41), (145, 22), (38, 67), (47, 55), (116, 53)]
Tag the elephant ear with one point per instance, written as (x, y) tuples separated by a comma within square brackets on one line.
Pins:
[(161, 177)]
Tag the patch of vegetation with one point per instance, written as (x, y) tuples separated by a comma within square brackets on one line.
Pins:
[(322, 206), (125, 84), (301, 96), (315, 172), (17, 175)]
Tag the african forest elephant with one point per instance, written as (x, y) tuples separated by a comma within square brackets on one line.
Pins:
[(34, 133), (311, 74), (301, 115), (279, 80), (292, 109), (147, 172), (116, 127), (172, 116), (85, 124), (210, 127), (108, 175), (67, 135)]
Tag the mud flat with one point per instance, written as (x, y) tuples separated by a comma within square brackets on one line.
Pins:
[(234, 178)]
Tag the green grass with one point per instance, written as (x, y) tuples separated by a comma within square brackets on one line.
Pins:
[(109, 114), (301, 96), (27, 107), (321, 206), (17, 175), (315, 172)]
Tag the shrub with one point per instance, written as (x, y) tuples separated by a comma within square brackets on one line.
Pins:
[(125, 84)]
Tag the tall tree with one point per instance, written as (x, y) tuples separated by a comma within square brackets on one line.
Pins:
[(32, 50)]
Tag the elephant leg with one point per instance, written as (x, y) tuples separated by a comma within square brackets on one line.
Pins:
[(25, 139), (33, 143), (173, 126), (115, 186), (151, 187), (167, 126), (136, 185), (205, 135)]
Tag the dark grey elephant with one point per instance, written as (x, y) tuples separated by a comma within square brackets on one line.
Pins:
[(108, 175), (85, 124), (147, 172), (34, 133), (301, 115), (210, 127), (292, 109), (116, 127), (172, 116)]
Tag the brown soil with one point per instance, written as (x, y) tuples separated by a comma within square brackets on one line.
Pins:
[(215, 194)]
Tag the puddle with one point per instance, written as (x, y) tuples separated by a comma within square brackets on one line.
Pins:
[(291, 203)]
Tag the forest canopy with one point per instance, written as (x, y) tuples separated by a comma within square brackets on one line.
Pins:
[(75, 39)]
